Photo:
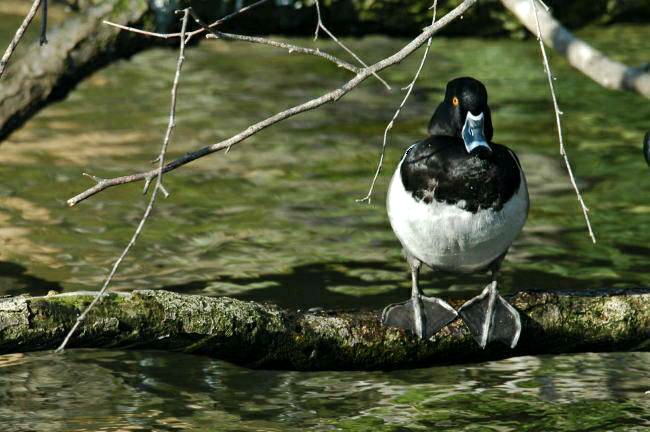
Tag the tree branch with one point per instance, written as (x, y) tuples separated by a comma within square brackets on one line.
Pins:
[(159, 186), (332, 96), (582, 56), (320, 25), (191, 34), (18, 36), (549, 75), (263, 336), (215, 34), (79, 47), (389, 126)]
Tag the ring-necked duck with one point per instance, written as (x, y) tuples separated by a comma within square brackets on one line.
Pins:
[(456, 202)]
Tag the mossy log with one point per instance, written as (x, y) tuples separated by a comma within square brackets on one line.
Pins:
[(264, 336)]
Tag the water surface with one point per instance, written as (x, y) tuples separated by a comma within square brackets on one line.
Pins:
[(276, 220), (87, 390)]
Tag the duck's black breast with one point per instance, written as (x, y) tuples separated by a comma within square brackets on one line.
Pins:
[(439, 168)]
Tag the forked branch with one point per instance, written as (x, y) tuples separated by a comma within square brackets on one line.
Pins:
[(158, 187), (331, 96), (320, 25), (215, 34)]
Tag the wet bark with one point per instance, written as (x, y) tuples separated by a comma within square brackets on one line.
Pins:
[(263, 336), (79, 47)]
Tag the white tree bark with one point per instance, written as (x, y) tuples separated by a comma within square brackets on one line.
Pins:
[(588, 60)]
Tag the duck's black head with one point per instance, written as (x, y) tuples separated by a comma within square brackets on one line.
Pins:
[(464, 113), (646, 147)]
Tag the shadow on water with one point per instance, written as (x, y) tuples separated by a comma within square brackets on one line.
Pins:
[(14, 280), (309, 286)]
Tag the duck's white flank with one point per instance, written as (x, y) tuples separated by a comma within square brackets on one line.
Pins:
[(445, 236)]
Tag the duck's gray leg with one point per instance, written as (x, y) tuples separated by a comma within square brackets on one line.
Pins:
[(424, 316), (490, 317)]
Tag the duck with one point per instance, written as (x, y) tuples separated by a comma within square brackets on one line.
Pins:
[(646, 147), (456, 202)]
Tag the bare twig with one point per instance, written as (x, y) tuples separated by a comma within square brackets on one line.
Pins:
[(320, 25), (142, 32), (158, 173), (547, 69), (292, 48), (191, 34), (409, 89), (18, 36), (215, 34), (331, 96)]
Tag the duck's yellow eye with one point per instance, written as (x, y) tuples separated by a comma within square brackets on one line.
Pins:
[(455, 101)]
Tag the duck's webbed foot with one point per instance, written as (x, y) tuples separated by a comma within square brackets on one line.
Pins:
[(424, 316), (490, 317)]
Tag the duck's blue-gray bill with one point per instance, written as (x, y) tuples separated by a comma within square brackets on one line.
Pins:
[(473, 132)]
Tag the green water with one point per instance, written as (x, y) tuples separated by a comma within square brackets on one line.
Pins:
[(133, 391), (276, 220)]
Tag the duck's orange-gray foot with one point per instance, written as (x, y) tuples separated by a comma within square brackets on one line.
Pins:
[(490, 317), (423, 316)]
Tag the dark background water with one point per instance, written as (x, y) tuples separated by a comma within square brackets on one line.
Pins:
[(276, 220)]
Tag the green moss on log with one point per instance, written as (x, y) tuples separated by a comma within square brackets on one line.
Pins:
[(257, 335)]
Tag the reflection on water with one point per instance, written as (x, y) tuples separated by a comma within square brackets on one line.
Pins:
[(276, 220), (118, 391)]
